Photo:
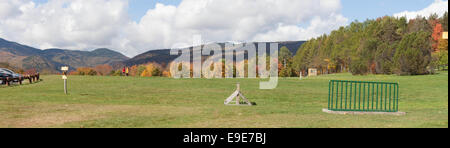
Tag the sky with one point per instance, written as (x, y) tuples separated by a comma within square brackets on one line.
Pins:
[(370, 9), (352, 9), (135, 26)]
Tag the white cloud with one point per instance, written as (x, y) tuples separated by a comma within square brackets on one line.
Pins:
[(88, 24), (73, 24), (9, 8), (318, 26), (234, 20), (438, 6)]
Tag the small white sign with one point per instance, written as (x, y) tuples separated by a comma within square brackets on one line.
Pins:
[(65, 68), (64, 77)]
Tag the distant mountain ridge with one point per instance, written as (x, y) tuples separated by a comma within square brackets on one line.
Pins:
[(163, 57), (50, 60)]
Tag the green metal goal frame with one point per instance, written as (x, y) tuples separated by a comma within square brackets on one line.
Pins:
[(363, 96)]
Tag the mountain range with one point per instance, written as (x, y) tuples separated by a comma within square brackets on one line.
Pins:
[(50, 60), (163, 57)]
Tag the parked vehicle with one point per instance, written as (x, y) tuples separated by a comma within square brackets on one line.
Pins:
[(8, 73), (3, 75)]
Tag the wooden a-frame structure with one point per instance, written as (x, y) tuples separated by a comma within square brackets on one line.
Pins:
[(235, 98)]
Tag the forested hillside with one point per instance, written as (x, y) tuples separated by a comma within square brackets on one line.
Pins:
[(25, 58), (386, 45)]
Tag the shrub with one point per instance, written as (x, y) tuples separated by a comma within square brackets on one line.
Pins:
[(115, 73)]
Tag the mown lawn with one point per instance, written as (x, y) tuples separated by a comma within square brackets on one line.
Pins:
[(166, 102)]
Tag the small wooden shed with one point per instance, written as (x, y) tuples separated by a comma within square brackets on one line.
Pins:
[(312, 72)]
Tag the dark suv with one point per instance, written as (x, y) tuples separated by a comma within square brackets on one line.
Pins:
[(8, 73)]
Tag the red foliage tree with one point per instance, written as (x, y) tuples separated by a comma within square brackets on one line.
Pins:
[(436, 36)]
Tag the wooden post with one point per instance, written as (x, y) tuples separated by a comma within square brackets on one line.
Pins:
[(65, 86), (238, 100), (65, 69), (301, 75)]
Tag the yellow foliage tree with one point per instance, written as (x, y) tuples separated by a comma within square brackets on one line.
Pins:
[(148, 70), (167, 74), (145, 73)]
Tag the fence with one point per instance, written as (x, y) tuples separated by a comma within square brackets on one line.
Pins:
[(363, 96)]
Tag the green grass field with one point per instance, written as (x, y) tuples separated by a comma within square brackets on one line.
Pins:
[(198, 103)]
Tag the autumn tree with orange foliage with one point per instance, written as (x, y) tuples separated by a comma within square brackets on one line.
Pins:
[(166, 73), (103, 70), (436, 36), (133, 70)]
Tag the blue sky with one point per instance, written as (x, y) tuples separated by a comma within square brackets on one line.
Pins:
[(369, 9), (138, 8), (352, 9)]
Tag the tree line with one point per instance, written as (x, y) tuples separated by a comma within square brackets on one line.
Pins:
[(386, 45), (143, 70)]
